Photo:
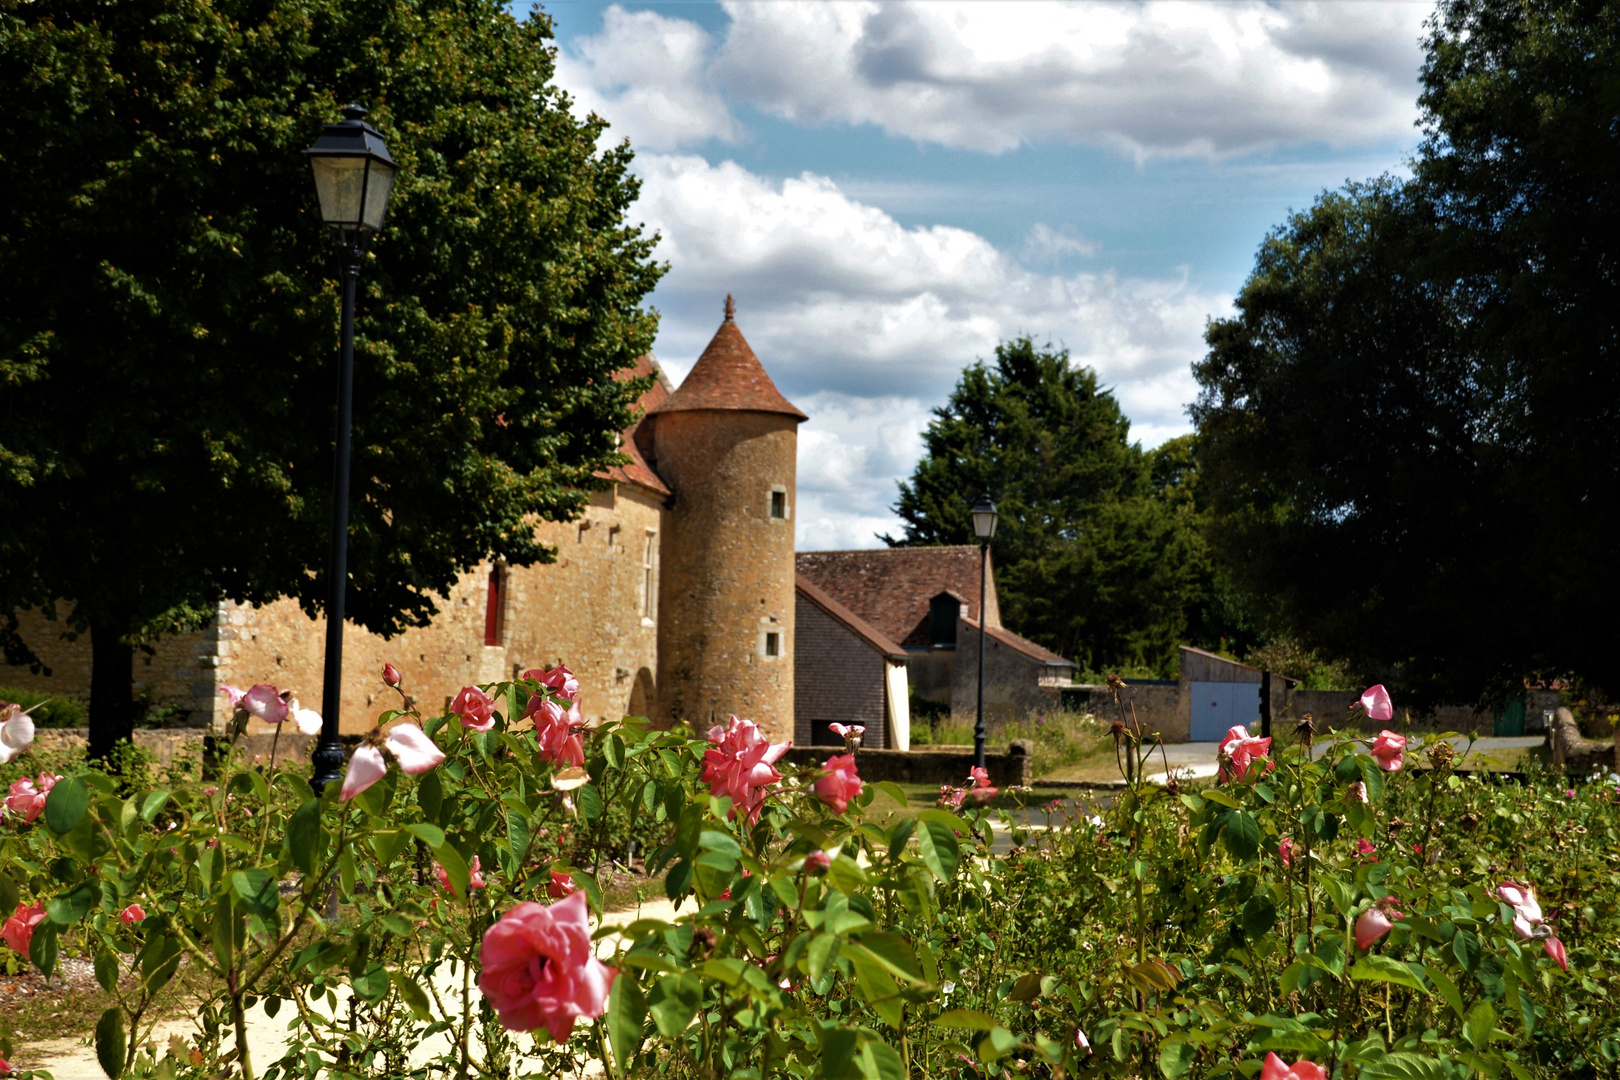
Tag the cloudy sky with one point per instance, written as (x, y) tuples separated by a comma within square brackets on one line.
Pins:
[(891, 188)]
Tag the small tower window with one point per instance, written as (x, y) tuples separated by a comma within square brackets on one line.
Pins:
[(779, 504), (495, 605), (773, 643), (649, 582)]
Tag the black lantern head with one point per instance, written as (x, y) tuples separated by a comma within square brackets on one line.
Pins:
[(984, 518), (353, 173)]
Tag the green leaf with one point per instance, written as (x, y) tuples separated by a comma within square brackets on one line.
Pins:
[(675, 1002), (899, 836), (878, 1060), (940, 851), (431, 835), (1465, 947), (1481, 1021), (878, 988), (372, 984), (517, 837), (891, 789), (153, 805), (965, 1020), (414, 997), (66, 804), (257, 890), (455, 868), (1402, 1065), (589, 801), (1027, 988), (627, 1010), (10, 896), (1242, 835), (430, 795), (1448, 989), (1386, 969), (1176, 1058), (304, 836), (70, 907), (1258, 916), (107, 968), (42, 947), (110, 1044)]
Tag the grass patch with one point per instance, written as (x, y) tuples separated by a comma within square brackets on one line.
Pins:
[(1064, 741)]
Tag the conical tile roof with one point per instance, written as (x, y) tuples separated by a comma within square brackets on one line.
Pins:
[(728, 376)]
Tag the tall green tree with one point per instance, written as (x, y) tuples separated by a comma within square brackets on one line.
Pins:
[(1411, 427), (1092, 560), (169, 310)]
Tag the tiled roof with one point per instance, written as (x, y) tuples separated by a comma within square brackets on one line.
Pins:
[(854, 622), (1023, 645), (637, 471), (728, 376), (891, 587)]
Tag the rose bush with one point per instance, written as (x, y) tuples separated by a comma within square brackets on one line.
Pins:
[(1310, 915)]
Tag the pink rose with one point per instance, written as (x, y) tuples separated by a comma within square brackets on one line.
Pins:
[(1387, 750), (132, 914), (1364, 847), (554, 732), (1526, 909), (233, 696), (415, 752), (1288, 851), (390, 674), (1555, 949), (264, 701), (16, 731), (741, 766), (27, 796), (476, 878), (1372, 925), (1081, 1041), (951, 796), (559, 680), (1240, 749), (1274, 1069), (539, 970), (1375, 702), (560, 886), (839, 784), (19, 929), (982, 789), (476, 708), (818, 861)]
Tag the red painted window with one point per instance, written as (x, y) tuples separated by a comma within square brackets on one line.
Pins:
[(493, 605)]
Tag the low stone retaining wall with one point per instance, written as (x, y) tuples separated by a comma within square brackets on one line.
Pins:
[(165, 744), (1574, 751), (1013, 767)]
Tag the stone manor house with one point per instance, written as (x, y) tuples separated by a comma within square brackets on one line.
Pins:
[(678, 596)]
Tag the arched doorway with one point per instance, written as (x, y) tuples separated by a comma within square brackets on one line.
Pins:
[(641, 695)]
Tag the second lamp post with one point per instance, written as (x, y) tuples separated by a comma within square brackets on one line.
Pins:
[(353, 177), (984, 527)]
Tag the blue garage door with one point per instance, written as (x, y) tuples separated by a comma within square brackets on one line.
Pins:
[(1217, 706)]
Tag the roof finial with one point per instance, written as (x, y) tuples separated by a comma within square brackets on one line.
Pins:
[(731, 308)]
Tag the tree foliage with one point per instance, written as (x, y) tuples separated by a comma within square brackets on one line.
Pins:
[(1098, 553), (1412, 423), (170, 299)]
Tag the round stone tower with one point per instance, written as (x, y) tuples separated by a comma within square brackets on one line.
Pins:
[(726, 444)]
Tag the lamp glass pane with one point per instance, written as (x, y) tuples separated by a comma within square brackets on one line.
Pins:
[(984, 524), (340, 182), (378, 188)]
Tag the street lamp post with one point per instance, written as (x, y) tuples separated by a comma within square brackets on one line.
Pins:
[(353, 177), (984, 527)]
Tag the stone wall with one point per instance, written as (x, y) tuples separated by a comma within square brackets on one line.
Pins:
[(1331, 708), (837, 677), (1573, 751), (1157, 707), (1015, 684), (1013, 767), (586, 610), (177, 672), (728, 568), (931, 672)]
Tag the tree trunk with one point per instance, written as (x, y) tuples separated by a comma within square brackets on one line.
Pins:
[(112, 690)]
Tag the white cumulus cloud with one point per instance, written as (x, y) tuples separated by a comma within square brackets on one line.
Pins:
[(1160, 78), (866, 323)]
